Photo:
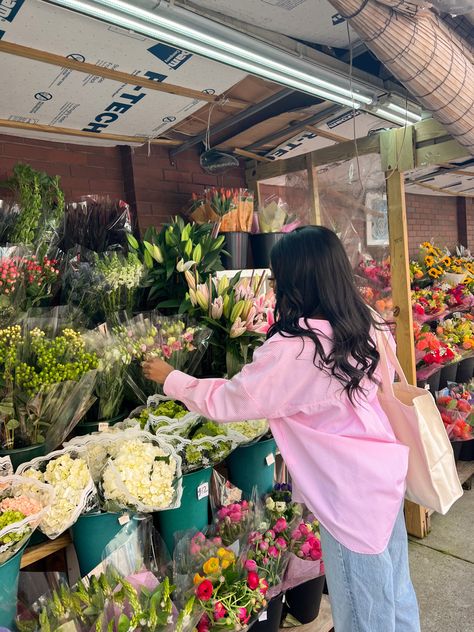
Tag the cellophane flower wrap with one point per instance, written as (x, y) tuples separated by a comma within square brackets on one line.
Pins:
[(67, 472), (430, 352), (23, 504), (234, 521), (129, 590), (48, 381), (456, 406), (207, 444), (230, 595), (173, 339), (238, 311), (249, 431), (134, 470), (102, 285), (374, 281), (305, 555), (165, 416)]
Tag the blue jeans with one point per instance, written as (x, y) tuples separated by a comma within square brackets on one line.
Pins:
[(371, 593)]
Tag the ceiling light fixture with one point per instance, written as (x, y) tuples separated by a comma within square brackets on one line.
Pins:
[(205, 37)]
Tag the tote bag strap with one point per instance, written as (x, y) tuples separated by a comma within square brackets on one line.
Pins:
[(388, 357)]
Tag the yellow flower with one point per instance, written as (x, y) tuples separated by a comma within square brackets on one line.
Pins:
[(434, 273), (225, 564), (226, 554), (429, 261), (446, 261), (211, 566), (198, 579)]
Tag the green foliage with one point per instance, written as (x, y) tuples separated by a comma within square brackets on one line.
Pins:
[(41, 202), (167, 253)]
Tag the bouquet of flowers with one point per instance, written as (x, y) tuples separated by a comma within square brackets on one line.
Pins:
[(429, 304), (25, 281), (207, 445), (305, 561), (375, 284), (279, 504), (239, 314), (67, 472), (133, 470), (457, 332), (102, 285), (249, 431), (23, 503), (457, 412), (430, 352), (128, 591), (274, 217), (267, 553), (96, 223), (164, 416), (229, 594), (234, 521), (47, 385), (170, 338)]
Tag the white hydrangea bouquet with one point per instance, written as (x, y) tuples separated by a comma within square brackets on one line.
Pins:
[(133, 470), (67, 472)]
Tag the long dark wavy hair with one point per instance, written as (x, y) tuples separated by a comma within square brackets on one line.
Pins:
[(314, 279)]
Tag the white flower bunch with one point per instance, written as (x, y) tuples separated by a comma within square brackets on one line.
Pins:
[(141, 476), (71, 480)]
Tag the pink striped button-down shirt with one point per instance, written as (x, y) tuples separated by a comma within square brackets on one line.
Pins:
[(343, 458)]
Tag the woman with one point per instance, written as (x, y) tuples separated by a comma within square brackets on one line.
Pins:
[(315, 380)]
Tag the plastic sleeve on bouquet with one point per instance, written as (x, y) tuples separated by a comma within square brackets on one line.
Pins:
[(67, 472), (300, 571), (23, 504)]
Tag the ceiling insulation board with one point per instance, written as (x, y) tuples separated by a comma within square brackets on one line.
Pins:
[(308, 20), (39, 93)]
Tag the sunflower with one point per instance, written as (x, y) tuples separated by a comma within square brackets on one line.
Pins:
[(434, 273), (429, 261), (446, 261)]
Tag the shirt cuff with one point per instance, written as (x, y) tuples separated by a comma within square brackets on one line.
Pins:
[(175, 384)]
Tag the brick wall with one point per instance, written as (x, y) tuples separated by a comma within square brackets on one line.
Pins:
[(163, 186), (432, 217), (155, 186), (158, 188), (470, 222), (83, 169)]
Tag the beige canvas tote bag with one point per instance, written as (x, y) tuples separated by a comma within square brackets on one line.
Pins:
[(432, 479)]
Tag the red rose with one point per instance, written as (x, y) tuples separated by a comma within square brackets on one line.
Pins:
[(253, 580), (204, 590)]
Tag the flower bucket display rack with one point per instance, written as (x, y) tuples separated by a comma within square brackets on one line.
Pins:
[(400, 150)]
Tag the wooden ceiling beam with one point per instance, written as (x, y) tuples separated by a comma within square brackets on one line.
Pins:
[(432, 187), (68, 131), (325, 134), (250, 154), (115, 75)]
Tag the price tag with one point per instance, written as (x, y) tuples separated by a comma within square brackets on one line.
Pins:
[(202, 491), (103, 426), (124, 519), (270, 459), (263, 616), (283, 599)]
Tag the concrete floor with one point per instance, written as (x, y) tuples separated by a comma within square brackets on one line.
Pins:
[(442, 569)]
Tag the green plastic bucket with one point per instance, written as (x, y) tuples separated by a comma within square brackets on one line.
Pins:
[(253, 466), (86, 427), (194, 509), (22, 455), (9, 575), (91, 534)]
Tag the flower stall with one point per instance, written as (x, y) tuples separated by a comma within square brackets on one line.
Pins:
[(178, 522)]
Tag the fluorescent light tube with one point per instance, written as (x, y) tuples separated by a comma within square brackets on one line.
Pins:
[(394, 118), (411, 116), (250, 55)]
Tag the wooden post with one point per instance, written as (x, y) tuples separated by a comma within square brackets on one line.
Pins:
[(313, 190), (417, 518), (462, 221)]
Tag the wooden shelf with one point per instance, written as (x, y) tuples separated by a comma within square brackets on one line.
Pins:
[(36, 553), (465, 470)]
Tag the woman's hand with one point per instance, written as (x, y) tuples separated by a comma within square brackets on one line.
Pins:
[(157, 370)]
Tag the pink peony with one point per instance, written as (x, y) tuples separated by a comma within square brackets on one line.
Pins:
[(280, 525)]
